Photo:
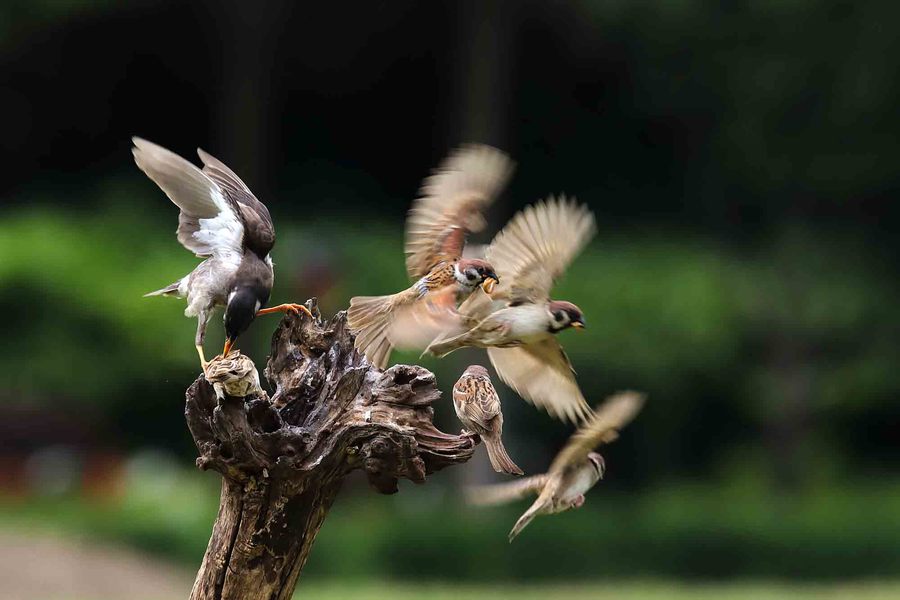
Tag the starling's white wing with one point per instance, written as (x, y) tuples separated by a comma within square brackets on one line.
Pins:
[(501, 493), (536, 247), (451, 204), (602, 428), (542, 374), (209, 223)]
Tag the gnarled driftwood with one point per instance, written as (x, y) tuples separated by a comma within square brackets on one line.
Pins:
[(283, 459)]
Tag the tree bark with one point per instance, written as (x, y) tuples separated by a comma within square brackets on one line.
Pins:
[(283, 459)]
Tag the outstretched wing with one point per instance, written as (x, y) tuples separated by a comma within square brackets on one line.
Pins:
[(602, 428), (209, 222), (502, 493), (451, 204), (542, 374), (259, 231), (536, 247)]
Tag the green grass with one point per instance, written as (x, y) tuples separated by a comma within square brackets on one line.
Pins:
[(612, 591)]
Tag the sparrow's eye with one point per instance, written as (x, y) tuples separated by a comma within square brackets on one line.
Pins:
[(471, 275), (558, 316)]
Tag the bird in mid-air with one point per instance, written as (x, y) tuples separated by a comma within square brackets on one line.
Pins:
[(478, 408), (574, 471), (518, 322), (223, 222), (450, 207)]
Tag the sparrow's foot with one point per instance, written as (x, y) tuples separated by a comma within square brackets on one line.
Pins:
[(292, 308)]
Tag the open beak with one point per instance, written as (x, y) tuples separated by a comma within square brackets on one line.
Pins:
[(488, 284), (229, 342), (579, 325)]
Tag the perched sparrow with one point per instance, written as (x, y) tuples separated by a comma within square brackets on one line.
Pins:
[(222, 221), (233, 374), (450, 207), (575, 470), (518, 322), (478, 407)]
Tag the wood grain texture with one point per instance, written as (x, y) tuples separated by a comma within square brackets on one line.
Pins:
[(283, 459)]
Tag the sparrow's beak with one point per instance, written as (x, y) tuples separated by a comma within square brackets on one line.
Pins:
[(578, 325), (489, 282), (229, 342)]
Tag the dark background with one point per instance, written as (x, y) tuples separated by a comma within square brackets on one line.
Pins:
[(741, 159)]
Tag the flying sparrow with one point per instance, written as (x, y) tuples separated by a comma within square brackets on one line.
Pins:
[(233, 374), (223, 222), (574, 471), (449, 208), (518, 322), (478, 408)]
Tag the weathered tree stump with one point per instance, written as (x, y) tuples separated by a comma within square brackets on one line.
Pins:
[(283, 459)]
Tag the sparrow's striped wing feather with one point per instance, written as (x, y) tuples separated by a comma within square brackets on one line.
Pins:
[(259, 228), (481, 407), (209, 222), (542, 374), (502, 493), (536, 247), (602, 428), (451, 204)]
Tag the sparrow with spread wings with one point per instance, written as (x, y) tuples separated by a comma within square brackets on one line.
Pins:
[(224, 223), (450, 207), (518, 322), (478, 408), (574, 471)]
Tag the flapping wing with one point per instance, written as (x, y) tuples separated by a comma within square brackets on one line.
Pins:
[(501, 493), (542, 374), (602, 428), (451, 205), (536, 247), (259, 231), (209, 222)]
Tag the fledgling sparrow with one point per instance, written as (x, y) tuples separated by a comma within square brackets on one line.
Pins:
[(450, 207), (478, 408), (224, 223), (233, 374), (574, 471), (518, 322)]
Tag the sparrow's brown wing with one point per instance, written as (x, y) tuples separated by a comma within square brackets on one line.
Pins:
[(210, 222), (536, 247), (451, 204), (479, 400), (602, 428), (259, 231), (542, 374), (501, 493)]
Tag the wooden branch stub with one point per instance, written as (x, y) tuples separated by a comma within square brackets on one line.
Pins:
[(283, 459)]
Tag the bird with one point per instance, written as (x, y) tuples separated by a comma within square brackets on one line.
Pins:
[(222, 222), (449, 207), (233, 374), (478, 408), (574, 471), (518, 322)]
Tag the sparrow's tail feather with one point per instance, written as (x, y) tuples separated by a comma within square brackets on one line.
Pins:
[(369, 318), (500, 460), (523, 522), (169, 290)]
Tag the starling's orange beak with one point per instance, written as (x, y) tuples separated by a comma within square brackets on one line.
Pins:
[(488, 284), (228, 344)]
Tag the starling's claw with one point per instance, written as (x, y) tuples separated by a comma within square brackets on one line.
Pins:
[(292, 307)]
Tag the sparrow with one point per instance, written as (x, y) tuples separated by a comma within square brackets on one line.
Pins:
[(478, 408), (224, 223), (233, 374), (574, 471), (449, 207), (518, 322)]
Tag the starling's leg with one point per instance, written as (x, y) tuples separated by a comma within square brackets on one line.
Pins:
[(202, 320), (294, 308)]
